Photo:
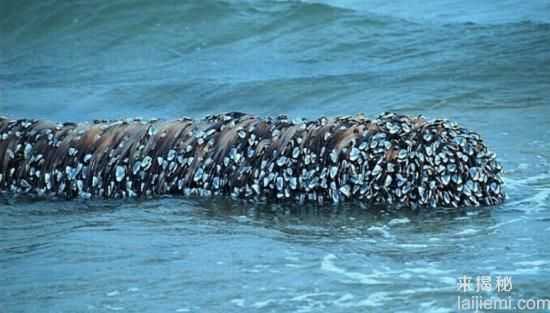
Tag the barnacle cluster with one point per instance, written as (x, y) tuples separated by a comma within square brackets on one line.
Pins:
[(394, 160)]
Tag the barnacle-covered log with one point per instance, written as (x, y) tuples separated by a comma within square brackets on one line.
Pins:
[(393, 160)]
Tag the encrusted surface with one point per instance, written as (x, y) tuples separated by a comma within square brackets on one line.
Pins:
[(393, 160)]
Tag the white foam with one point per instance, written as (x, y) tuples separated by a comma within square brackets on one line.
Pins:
[(113, 293), (438, 310), (448, 280), (262, 304), (429, 270), (426, 290), (238, 302), (405, 276), (427, 304), (379, 231), (292, 265), (399, 221), (467, 232), (498, 225), (306, 296), (532, 263), (374, 299), (114, 308), (328, 265), (519, 271), (343, 299), (412, 246)]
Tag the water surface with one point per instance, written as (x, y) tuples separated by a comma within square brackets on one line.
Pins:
[(484, 64)]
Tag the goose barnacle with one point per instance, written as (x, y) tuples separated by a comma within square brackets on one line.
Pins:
[(388, 159)]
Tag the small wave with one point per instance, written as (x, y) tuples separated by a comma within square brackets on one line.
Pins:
[(398, 221), (462, 12), (328, 265), (498, 225), (467, 232), (516, 183), (412, 246), (539, 199), (238, 302), (382, 231), (532, 263)]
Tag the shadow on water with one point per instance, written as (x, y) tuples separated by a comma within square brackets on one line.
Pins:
[(335, 221)]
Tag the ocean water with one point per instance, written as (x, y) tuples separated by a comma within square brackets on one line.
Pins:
[(485, 64)]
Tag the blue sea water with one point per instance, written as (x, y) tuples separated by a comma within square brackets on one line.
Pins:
[(485, 64)]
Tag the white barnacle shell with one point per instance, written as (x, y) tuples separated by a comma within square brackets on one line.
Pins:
[(198, 174), (136, 167), (234, 155), (146, 162), (293, 182), (71, 172), (95, 181), (392, 128), (354, 154), (242, 133), (181, 159), (307, 159), (377, 170), (333, 171), (210, 132), (279, 183), (80, 185), (388, 181), (427, 136), (295, 152), (171, 155), (346, 190), (151, 131), (120, 172), (446, 179), (256, 188), (281, 161), (72, 151), (216, 183), (47, 180), (373, 144), (334, 156), (28, 151)]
